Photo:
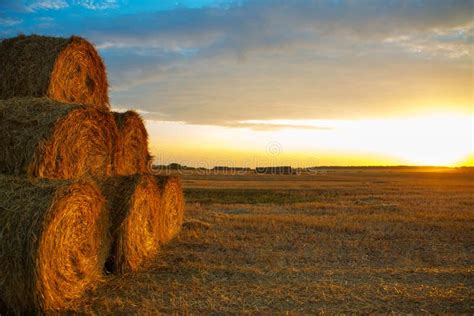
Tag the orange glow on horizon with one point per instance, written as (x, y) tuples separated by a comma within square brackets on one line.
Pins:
[(440, 139)]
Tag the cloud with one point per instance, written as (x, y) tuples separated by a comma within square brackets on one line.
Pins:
[(8, 22), (35, 5), (267, 24), (96, 5), (265, 27), (304, 59), (47, 5), (273, 125), (31, 6), (221, 90), (454, 42), (283, 59)]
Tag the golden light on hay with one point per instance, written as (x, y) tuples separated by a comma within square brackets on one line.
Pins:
[(134, 203), (54, 237), (48, 139), (64, 69), (57, 235), (132, 154), (172, 206)]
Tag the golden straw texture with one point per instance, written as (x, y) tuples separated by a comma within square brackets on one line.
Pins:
[(64, 69), (172, 206), (53, 242), (134, 203), (132, 155), (48, 139)]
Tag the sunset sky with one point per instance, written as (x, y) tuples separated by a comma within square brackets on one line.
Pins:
[(302, 83)]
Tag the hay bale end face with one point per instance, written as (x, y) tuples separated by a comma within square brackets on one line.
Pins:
[(48, 139), (134, 203), (172, 206), (132, 154), (54, 242), (64, 69)]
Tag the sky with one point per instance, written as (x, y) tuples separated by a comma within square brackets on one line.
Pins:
[(282, 82)]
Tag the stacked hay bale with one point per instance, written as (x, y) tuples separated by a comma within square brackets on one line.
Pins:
[(132, 154), (48, 139), (136, 226), (76, 194), (172, 206), (64, 69), (54, 241)]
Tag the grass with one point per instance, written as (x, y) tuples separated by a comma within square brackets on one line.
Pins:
[(256, 196), (370, 241)]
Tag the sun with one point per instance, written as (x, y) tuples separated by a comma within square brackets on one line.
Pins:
[(428, 139), (441, 139)]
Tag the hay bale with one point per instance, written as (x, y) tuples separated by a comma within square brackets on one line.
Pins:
[(64, 69), (134, 203), (48, 139), (132, 152), (172, 206), (53, 242)]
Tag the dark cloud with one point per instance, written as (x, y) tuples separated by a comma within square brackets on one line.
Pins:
[(268, 23)]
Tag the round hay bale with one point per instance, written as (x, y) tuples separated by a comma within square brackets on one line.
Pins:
[(132, 152), (48, 139), (53, 242), (64, 69), (172, 206), (134, 203)]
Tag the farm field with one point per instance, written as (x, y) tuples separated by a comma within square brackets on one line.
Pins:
[(341, 240)]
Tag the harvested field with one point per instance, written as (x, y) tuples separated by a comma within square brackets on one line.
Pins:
[(54, 242), (132, 154), (134, 202), (64, 69), (48, 139), (365, 241)]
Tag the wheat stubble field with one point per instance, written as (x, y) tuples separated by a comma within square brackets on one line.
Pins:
[(342, 240)]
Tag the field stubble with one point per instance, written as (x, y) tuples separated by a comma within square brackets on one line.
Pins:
[(343, 241)]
